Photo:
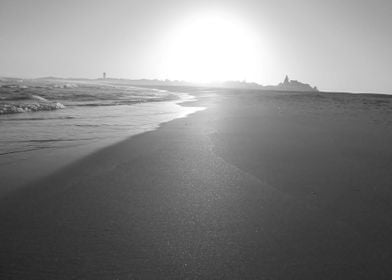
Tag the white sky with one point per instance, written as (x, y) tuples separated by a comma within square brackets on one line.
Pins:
[(335, 45)]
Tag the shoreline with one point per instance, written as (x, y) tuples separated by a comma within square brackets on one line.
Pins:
[(255, 186), (19, 169)]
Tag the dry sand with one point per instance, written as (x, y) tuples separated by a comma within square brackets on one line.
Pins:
[(261, 185)]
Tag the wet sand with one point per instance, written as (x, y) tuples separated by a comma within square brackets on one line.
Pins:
[(260, 185)]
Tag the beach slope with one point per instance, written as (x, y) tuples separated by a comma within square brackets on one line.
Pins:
[(260, 185)]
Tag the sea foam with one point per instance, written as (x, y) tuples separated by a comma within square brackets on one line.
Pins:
[(11, 108)]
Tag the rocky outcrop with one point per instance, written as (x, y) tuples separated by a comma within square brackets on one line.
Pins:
[(293, 85)]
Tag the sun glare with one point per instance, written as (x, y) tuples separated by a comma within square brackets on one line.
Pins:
[(213, 47)]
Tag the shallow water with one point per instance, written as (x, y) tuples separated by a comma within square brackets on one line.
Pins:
[(35, 143), (79, 125)]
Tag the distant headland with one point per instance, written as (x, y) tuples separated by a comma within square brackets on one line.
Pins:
[(293, 85), (286, 85)]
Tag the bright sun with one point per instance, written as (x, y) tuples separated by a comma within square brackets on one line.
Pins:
[(213, 47)]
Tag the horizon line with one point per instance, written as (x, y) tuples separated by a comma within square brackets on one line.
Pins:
[(189, 82)]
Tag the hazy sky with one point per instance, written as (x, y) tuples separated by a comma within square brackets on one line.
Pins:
[(336, 45)]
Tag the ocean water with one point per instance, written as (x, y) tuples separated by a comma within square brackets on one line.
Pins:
[(83, 124), (32, 143)]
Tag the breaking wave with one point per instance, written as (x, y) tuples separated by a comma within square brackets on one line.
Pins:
[(23, 107), (34, 96)]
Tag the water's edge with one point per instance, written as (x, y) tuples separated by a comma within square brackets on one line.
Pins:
[(19, 169)]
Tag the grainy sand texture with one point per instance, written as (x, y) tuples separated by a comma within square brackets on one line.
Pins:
[(260, 185)]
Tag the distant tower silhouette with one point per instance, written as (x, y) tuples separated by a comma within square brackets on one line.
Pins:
[(104, 75), (286, 80)]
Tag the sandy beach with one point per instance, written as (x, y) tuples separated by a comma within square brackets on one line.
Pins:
[(260, 185)]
